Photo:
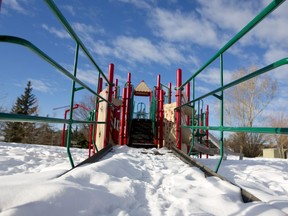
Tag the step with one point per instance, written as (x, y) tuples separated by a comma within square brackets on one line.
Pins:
[(142, 145)]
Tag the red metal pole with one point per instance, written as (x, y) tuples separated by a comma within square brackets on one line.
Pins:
[(161, 118), (170, 92), (128, 100), (116, 88), (110, 92), (207, 124), (158, 88), (123, 116), (64, 128), (178, 111)]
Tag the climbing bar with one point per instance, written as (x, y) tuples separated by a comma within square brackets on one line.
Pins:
[(29, 45), (268, 68), (72, 33), (272, 6)]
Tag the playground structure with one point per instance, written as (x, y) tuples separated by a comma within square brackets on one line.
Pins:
[(177, 124)]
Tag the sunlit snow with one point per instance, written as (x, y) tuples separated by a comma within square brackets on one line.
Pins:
[(133, 182)]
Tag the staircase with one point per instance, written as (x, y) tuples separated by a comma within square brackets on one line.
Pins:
[(141, 134)]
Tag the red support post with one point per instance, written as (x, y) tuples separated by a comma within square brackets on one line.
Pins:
[(158, 87), (157, 96), (169, 92), (110, 92), (207, 124), (64, 126), (128, 100), (115, 88), (161, 118), (178, 111), (123, 117), (64, 129)]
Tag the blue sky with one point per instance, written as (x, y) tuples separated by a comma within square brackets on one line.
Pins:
[(144, 37)]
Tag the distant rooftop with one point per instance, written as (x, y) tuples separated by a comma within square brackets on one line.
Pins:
[(142, 89)]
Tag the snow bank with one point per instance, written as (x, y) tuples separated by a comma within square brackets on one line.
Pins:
[(125, 182)]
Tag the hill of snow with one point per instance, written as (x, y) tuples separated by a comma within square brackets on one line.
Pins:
[(133, 182)]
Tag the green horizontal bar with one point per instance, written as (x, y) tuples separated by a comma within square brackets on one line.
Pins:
[(70, 30), (78, 88), (164, 86), (257, 130), (86, 122), (272, 6), (11, 117), (268, 68), (268, 130), (27, 44)]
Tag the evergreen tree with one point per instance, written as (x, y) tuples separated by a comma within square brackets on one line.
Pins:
[(44, 134), (25, 105)]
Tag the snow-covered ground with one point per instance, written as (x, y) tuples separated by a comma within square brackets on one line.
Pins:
[(133, 182)]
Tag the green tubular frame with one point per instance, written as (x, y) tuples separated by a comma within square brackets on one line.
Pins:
[(51, 61), (219, 92), (153, 111), (168, 92)]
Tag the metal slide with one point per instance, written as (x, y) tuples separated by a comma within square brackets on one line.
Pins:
[(227, 151)]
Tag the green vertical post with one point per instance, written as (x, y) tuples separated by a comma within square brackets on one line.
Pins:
[(221, 115), (71, 107), (193, 118)]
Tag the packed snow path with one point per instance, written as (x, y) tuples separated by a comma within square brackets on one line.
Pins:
[(125, 182)]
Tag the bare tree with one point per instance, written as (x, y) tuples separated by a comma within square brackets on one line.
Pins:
[(247, 100), (280, 140), (243, 104)]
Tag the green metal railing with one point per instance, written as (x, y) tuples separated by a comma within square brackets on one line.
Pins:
[(219, 92), (51, 61)]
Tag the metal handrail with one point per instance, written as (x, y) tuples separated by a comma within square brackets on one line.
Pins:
[(272, 6), (11, 117), (72, 76), (266, 11), (32, 47), (72, 33), (258, 72)]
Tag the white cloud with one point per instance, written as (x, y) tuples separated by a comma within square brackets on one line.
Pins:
[(87, 35), (233, 16), (180, 27), (212, 76), (142, 50), (273, 55), (137, 49), (137, 3), (16, 5), (226, 14), (85, 29), (87, 76), (70, 9), (58, 33), (202, 89), (42, 86)]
